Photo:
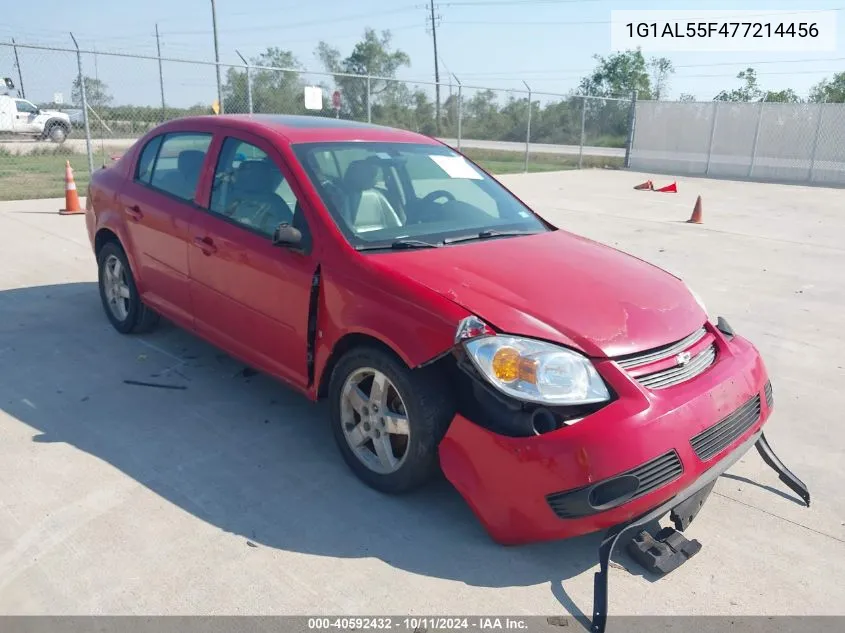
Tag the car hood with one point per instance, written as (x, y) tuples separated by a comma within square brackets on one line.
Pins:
[(559, 287)]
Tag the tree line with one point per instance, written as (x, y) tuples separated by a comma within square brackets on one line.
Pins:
[(484, 114)]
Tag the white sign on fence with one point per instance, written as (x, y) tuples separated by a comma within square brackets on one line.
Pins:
[(313, 98), (58, 97)]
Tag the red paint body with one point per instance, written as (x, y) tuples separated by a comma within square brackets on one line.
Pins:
[(250, 298)]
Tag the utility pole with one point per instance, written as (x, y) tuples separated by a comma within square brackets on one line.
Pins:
[(217, 56), (18, 66), (160, 75), (436, 68)]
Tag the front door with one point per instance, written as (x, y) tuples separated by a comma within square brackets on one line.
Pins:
[(159, 207), (25, 116), (248, 295)]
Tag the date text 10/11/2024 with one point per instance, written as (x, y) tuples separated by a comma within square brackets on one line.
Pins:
[(408, 623)]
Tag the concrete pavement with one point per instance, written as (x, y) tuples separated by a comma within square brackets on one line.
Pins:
[(230, 497)]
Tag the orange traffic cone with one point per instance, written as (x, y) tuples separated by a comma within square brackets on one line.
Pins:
[(673, 188), (695, 218), (646, 186), (71, 196)]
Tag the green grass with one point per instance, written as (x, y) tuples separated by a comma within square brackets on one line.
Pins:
[(504, 162), (41, 174)]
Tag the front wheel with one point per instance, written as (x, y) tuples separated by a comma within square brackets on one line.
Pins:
[(387, 419), (57, 134)]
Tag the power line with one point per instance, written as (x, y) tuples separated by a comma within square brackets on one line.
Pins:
[(436, 66), (18, 66), (216, 58), (515, 74), (294, 25), (587, 22), (487, 3)]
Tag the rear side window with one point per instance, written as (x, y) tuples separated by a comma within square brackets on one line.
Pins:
[(147, 161), (179, 163)]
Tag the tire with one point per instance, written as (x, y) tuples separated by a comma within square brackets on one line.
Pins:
[(57, 133), (133, 317), (429, 408)]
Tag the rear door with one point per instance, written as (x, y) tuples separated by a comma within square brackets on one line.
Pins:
[(249, 296), (159, 203)]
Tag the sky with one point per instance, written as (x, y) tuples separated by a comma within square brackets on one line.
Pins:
[(549, 44)]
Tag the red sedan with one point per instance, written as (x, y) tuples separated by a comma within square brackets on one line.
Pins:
[(562, 386)]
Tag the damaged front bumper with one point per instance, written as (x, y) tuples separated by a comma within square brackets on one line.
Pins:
[(634, 454), (641, 457), (682, 509)]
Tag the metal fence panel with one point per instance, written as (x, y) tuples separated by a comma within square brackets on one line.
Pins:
[(672, 137), (733, 139), (829, 164), (787, 134), (783, 142)]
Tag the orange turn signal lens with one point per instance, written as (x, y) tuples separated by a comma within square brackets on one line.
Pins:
[(508, 365), (505, 364)]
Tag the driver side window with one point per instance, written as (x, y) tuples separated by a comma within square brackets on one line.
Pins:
[(250, 190), (25, 106)]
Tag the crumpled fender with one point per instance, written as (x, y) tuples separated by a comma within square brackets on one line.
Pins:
[(417, 323)]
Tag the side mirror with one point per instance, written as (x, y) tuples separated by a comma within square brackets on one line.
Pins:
[(287, 235), (10, 85)]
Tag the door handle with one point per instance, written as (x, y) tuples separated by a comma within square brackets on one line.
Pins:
[(134, 213), (205, 244)]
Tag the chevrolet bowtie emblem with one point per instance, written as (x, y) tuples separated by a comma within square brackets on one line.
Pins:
[(683, 358)]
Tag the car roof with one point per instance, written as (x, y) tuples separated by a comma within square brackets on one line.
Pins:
[(312, 129)]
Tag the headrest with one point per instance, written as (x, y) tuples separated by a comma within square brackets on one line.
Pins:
[(258, 176), (190, 162), (360, 175)]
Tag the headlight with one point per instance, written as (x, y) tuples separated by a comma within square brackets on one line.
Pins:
[(536, 371), (698, 299)]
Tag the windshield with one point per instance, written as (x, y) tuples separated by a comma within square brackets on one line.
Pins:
[(380, 194)]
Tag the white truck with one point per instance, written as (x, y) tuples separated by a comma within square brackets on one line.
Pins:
[(22, 117)]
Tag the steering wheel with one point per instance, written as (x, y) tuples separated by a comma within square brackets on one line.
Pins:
[(436, 195)]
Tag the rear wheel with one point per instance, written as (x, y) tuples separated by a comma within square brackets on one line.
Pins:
[(387, 419), (119, 294)]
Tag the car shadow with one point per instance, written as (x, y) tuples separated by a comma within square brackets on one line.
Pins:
[(240, 451), (793, 498)]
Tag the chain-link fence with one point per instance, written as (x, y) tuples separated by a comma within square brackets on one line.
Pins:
[(101, 102), (782, 142)]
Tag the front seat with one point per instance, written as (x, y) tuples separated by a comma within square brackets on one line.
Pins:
[(252, 198), (183, 180), (366, 208)]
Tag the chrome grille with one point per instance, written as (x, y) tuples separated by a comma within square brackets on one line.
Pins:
[(712, 441), (680, 373), (667, 351), (770, 401)]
